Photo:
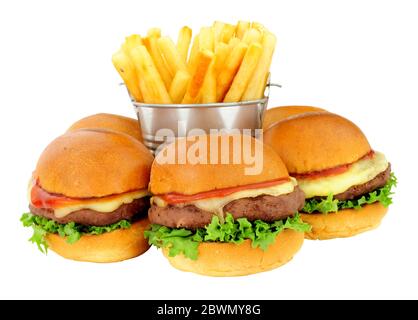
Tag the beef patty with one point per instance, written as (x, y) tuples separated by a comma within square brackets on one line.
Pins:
[(94, 218), (264, 207), (357, 191)]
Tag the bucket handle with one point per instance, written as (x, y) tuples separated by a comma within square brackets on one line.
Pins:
[(268, 87)]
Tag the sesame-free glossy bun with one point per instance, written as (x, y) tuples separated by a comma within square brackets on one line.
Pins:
[(190, 178), (274, 115), (112, 246), (229, 259), (111, 122), (344, 223), (316, 141), (93, 163)]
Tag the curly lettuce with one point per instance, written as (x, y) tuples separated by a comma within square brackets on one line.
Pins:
[(71, 231), (186, 242), (329, 204)]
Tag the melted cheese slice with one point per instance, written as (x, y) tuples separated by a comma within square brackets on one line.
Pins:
[(215, 205), (101, 205), (359, 172)]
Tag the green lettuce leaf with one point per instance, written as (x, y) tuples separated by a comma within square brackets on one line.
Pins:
[(329, 204), (71, 231), (186, 242)]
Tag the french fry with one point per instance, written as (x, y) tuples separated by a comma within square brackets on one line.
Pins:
[(208, 91), (207, 42), (218, 26), (127, 72), (154, 33), (131, 42), (194, 52), (172, 57), (259, 26), (257, 84), (221, 53), (183, 42), (204, 60), (146, 42), (179, 86), (252, 35), (159, 62), (147, 93), (150, 82), (231, 66), (245, 72), (227, 32), (206, 39), (222, 60), (242, 27), (233, 43)]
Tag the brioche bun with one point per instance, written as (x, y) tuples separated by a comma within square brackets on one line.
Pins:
[(229, 259), (316, 141), (190, 178), (93, 163), (344, 223), (109, 121), (112, 246), (274, 115)]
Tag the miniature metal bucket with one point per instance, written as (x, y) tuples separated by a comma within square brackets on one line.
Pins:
[(159, 120)]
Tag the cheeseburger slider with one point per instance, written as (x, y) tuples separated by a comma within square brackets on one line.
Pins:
[(347, 184), (88, 196), (213, 218), (109, 121), (271, 116)]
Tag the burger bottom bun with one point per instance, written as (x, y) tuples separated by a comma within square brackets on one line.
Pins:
[(228, 259), (344, 223), (112, 246)]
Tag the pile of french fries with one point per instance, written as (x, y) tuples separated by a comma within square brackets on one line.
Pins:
[(226, 63)]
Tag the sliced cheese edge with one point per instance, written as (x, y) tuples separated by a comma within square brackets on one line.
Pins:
[(215, 205), (106, 204), (359, 172)]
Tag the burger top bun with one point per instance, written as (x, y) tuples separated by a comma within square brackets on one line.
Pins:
[(109, 121), (93, 163), (274, 115), (316, 141), (191, 178)]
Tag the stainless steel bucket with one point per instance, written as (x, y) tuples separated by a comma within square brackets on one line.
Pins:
[(159, 122)]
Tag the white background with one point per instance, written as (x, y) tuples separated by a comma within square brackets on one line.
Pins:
[(356, 58)]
